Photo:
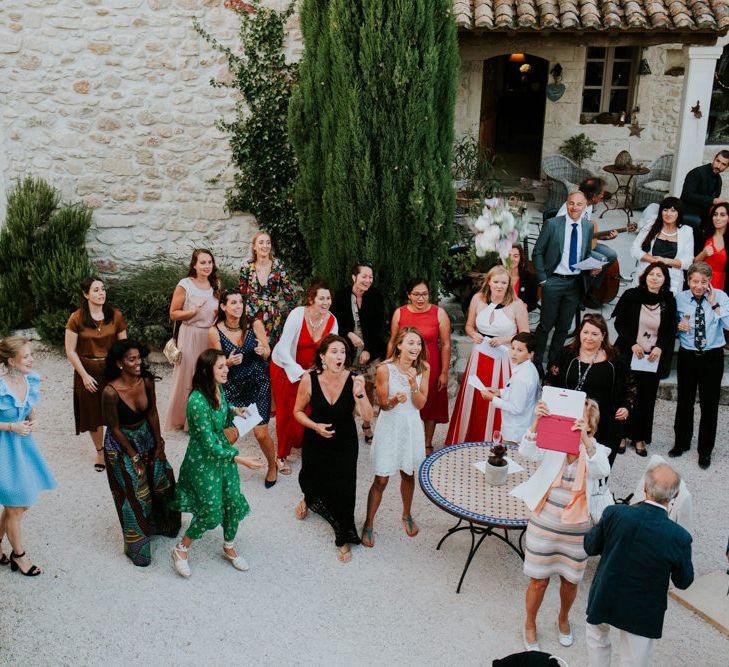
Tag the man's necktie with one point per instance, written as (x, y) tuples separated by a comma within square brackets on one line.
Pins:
[(573, 247), (700, 320)]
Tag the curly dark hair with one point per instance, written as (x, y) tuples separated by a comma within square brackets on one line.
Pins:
[(666, 287), (655, 230), (117, 353), (599, 322), (324, 346), (314, 286)]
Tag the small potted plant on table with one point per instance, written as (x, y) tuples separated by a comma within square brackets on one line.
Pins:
[(497, 465)]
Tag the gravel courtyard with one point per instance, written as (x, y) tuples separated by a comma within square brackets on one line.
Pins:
[(394, 604)]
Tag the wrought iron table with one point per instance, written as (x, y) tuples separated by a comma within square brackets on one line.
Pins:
[(451, 482), (624, 189)]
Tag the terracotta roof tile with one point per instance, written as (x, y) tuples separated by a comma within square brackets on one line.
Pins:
[(592, 14)]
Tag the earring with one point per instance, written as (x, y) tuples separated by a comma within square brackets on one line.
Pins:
[(323, 365)]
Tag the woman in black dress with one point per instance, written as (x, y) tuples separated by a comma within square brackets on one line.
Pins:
[(328, 474), (645, 319), (592, 365), (360, 312)]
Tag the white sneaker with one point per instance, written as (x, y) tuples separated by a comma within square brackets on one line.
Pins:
[(238, 562), (180, 565)]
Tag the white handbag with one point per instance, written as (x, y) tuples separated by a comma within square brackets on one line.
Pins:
[(598, 498)]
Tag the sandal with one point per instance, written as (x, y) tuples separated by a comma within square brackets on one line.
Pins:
[(411, 528), (181, 566), (99, 467), (428, 450), (368, 537), (344, 556), (283, 466), (367, 432), (4, 560), (32, 571), (301, 510), (238, 562)]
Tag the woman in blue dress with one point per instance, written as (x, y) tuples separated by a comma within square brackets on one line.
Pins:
[(23, 471), (246, 347)]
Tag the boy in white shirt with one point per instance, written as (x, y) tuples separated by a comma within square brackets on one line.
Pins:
[(518, 399)]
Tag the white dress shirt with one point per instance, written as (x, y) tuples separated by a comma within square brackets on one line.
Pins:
[(563, 267), (518, 400)]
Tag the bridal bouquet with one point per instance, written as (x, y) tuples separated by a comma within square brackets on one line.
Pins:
[(500, 224)]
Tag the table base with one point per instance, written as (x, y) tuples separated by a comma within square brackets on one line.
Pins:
[(484, 532)]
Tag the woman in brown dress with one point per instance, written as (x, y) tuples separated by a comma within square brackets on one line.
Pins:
[(90, 333)]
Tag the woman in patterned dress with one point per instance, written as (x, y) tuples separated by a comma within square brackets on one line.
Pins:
[(23, 471), (246, 348), (293, 355), (140, 478), (557, 496), (264, 282), (209, 484), (90, 333), (494, 316), (433, 323), (399, 442), (195, 305)]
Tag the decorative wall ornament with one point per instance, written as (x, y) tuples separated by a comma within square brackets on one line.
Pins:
[(635, 129), (556, 90), (696, 109)]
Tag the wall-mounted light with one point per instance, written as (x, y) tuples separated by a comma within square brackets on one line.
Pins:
[(525, 68), (517, 58)]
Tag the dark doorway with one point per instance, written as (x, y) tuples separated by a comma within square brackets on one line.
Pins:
[(513, 101)]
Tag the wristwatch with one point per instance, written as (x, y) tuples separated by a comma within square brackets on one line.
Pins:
[(715, 306)]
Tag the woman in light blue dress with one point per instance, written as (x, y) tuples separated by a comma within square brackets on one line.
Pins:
[(23, 471)]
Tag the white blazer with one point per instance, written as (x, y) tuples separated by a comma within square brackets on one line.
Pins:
[(536, 487), (284, 353), (684, 252)]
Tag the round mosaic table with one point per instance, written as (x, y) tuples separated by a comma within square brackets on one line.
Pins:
[(450, 480)]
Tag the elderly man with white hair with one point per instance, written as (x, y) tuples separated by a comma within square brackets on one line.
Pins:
[(641, 550)]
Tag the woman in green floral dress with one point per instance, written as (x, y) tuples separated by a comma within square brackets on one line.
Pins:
[(209, 485)]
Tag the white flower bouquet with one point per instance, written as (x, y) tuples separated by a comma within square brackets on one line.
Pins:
[(500, 224)]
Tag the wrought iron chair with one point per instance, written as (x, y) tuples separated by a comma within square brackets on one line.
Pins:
[(563, 176), (660, 170)]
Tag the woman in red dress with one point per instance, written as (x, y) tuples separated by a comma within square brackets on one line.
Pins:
[(435, 326), (292, 357), (714, 252)]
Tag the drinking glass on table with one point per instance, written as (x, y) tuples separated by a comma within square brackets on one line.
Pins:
[(496, 438)]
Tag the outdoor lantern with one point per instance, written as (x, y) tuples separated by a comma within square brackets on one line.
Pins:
[(517, 58)]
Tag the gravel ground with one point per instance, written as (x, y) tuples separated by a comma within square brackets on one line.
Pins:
[(298, 605)]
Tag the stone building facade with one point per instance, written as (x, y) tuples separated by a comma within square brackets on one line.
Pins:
[(109, 100)]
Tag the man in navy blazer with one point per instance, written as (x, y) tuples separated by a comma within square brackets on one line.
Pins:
[(563, 241), (641, 549)]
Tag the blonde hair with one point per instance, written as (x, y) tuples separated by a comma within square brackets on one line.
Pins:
[(485, 290), (419, 364), (593, 416), (255, 238), (10, 348)]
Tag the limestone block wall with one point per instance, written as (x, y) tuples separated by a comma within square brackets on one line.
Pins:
[(109, 100)]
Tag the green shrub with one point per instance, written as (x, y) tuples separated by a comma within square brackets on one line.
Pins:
[(43, 259), (578, 148), (143, 295)]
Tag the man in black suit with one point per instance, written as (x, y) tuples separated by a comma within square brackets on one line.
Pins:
[(563, 241), (701, 190), (641, 548)]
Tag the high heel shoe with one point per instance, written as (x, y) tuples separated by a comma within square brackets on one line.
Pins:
[(99, 467), (32, 571), (4, 560)]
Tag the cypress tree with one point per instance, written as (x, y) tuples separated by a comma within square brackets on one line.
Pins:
[(372, 126)]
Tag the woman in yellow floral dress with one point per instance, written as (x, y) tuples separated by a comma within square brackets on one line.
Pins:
[(209, 484)]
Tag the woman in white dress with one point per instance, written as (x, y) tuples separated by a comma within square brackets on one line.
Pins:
[(399, 441), (495, 316)]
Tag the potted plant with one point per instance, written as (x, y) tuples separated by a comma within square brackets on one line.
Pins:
[(497, 465), (578, 148)]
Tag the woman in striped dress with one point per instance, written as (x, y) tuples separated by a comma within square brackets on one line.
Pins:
[(557, 496)]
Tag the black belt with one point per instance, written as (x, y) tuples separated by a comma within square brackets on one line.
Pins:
[(561, 275), (700, 353)]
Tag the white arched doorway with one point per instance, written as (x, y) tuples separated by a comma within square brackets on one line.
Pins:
[(513, 101)]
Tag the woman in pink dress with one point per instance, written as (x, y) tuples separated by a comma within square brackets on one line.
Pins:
[(495, 315), (714, 252), (435, 327), (195, 306)]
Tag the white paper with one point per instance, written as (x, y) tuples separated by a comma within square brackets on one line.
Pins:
[(245, 424), (476, 383), (643, 364), (498, 352), (589, 264), (512, 466), (564, 402)]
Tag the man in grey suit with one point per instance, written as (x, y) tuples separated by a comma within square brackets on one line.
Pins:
[(563, 241), (641, 549)]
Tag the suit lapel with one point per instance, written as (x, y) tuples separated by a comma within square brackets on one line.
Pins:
[(560, 234), (586, 245)]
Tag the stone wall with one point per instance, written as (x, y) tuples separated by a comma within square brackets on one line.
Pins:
[(109, 100)]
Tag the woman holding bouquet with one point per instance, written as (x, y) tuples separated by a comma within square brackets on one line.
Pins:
[(494, 316)]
